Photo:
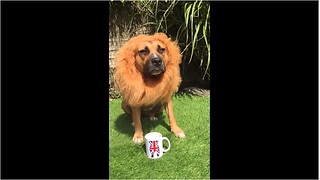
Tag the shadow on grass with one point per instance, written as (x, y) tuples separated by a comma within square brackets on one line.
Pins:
[(144, 148), (183, 94), (123, 124)]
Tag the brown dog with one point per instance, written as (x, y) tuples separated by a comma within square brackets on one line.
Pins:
[(147, 74)]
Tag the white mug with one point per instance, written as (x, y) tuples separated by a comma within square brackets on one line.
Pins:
[(154, 145)]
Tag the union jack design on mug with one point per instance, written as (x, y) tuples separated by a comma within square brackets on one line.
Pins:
[(154, 148)]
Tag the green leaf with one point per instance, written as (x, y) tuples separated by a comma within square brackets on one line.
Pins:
[(195, 39)]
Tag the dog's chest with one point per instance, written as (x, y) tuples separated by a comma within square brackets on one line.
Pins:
[(150, 107)]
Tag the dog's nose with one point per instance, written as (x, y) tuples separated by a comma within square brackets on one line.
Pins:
[(156, 61)]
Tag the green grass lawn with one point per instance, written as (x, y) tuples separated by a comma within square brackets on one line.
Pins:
[(188, 158)]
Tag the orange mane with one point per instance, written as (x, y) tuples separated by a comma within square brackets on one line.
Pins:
[(137, 90)]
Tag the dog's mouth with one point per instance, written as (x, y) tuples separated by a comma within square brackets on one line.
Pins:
[(156, 72)]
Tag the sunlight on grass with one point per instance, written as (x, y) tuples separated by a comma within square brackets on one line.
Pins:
[(188, 158)]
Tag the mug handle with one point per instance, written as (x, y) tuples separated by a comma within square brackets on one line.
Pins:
[(166, 150)]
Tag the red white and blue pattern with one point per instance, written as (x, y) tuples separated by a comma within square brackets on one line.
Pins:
[(154, 148)]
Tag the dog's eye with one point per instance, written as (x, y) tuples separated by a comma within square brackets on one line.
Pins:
[(160, 49), (144, 51)]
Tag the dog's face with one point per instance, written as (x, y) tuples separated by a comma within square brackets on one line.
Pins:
[(150, 58)]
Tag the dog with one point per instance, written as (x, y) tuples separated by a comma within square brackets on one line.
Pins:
[(147, 74)]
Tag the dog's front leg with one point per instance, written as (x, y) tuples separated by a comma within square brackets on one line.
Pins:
[(173, 124), (138, 133)]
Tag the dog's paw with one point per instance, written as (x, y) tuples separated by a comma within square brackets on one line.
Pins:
[(153, 118), (138, 139), (178, 133)]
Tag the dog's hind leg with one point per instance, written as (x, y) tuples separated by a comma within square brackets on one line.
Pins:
[(151, 113), (126, 108)]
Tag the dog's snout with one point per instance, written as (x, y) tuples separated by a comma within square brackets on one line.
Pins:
[(156, 61)]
